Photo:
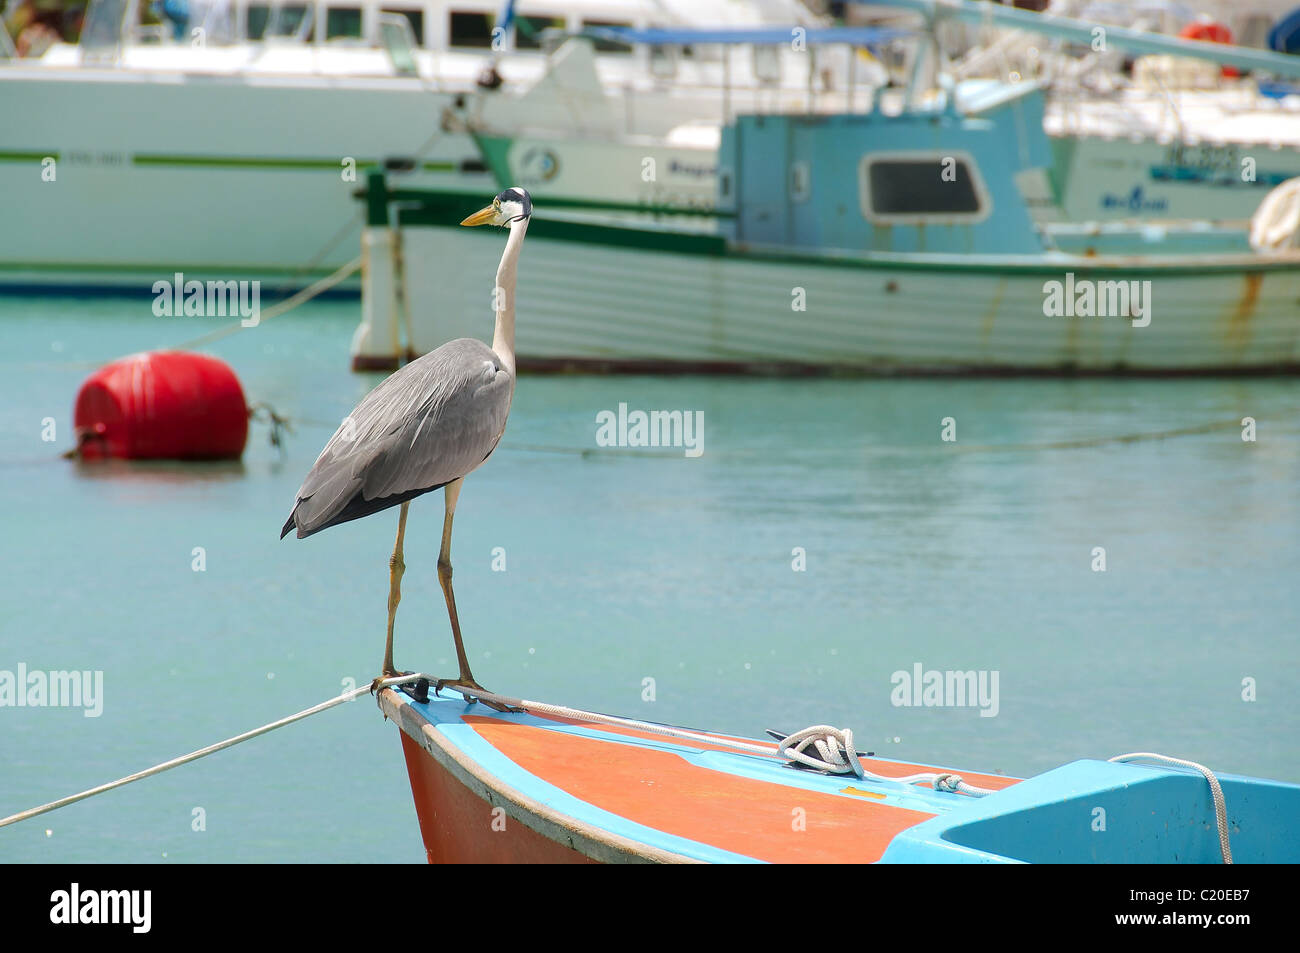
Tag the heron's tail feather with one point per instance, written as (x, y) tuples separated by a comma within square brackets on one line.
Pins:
[(316, 519)]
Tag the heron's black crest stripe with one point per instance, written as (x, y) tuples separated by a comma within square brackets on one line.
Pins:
[(522, 197)]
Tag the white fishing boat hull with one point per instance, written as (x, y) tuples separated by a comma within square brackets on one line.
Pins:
[(584, 304)]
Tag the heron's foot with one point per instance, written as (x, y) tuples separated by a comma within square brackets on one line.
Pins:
[(466, 687), (375, 685)]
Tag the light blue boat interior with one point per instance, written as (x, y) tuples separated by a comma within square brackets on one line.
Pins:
[(1106, 813)]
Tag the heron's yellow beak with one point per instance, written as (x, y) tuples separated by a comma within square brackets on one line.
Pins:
[(483, 216)]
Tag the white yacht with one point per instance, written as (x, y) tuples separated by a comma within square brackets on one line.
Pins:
[(231, 143)]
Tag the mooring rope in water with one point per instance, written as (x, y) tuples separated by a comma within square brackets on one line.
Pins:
[(288, 304), (735, 453), (1216, 791), (314, 262), (1101, 440), (302, 297), (586, 452), (203, 752)]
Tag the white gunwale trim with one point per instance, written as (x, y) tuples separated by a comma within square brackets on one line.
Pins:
[(589, 841), (923, 218)]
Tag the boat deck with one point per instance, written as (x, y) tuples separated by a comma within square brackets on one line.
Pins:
[(620, 793), (521, 787)]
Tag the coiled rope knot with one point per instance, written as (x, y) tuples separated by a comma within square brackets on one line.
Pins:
[(952, 783), (834, 748), (833, 753)]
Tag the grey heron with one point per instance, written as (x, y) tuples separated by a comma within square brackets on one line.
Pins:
[(425, 427)]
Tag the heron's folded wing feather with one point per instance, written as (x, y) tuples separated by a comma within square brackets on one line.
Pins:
[(334, 480), (432, 422), (452, 430)]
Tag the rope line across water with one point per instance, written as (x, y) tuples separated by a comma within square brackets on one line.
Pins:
[(200, 753), (274, 311)]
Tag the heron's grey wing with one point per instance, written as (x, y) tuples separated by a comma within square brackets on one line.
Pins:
[(432, 422), (453, 428)]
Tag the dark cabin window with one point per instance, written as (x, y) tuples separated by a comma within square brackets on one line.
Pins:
[(343, 22), (919, 187), (528, 31), (258, 14), (471, 29)]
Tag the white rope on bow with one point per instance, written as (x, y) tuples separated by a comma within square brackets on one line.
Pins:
[(1216, 791), (837, 755), (829, 742)]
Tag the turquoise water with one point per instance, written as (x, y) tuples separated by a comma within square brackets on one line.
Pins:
[(625, 566)]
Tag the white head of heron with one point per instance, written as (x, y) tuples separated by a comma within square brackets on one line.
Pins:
[(512, 205)]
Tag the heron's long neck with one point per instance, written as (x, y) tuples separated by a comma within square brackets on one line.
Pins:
[(503, 338)]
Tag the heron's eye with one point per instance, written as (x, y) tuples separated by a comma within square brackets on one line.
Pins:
[(496, 203)]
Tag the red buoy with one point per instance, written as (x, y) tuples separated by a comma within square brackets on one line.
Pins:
[(162, 405)]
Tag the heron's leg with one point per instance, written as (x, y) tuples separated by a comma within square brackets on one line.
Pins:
[(466, 678), (444, 577), (396, 566)]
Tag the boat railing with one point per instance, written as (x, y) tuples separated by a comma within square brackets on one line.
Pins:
[(1132, 41), (1170, 105), (1079, 63), (706, 89), (765, 80)]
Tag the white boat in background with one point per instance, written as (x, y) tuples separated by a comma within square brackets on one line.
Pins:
[(883, 242), (134, 155), (234, 151), (1137, 152), (1209, 155)]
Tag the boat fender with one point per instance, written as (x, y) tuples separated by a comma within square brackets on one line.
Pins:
[(1275, 226)]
